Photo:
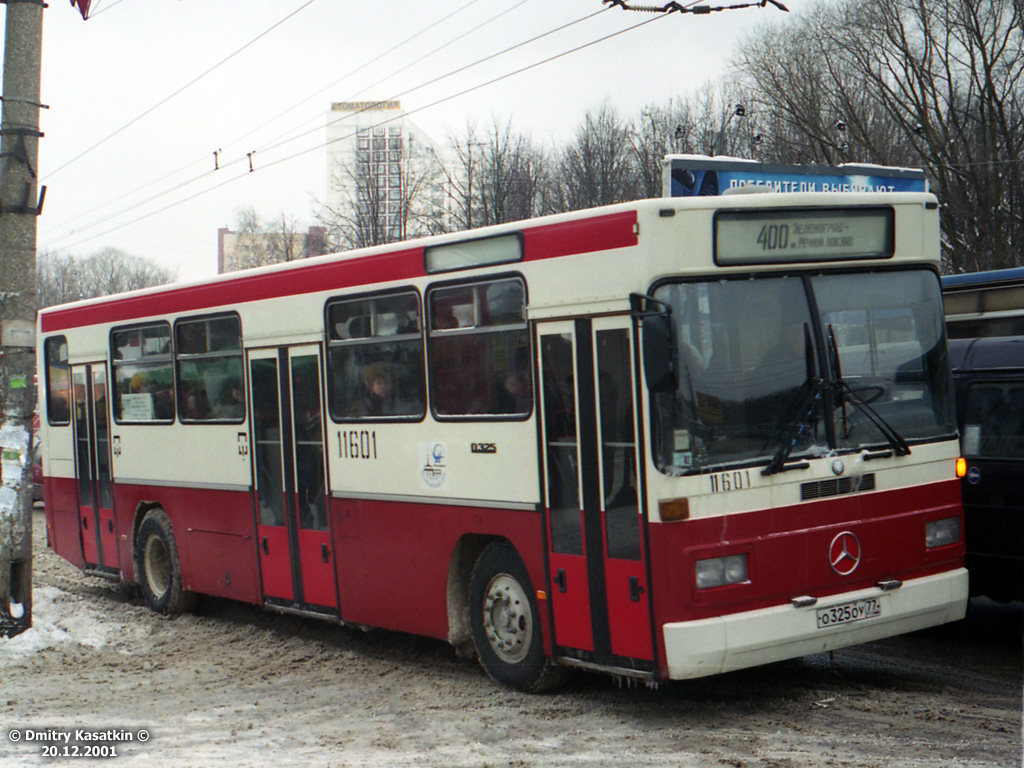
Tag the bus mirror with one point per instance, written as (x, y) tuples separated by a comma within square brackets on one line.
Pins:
[(658, 353)]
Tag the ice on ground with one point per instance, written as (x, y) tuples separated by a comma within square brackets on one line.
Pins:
[(58, 618)]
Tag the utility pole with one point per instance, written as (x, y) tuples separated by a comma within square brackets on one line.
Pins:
[(20, 204)]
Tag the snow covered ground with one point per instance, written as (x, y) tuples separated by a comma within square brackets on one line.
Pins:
[(236, 686)]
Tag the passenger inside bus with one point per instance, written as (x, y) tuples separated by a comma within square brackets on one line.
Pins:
[(516, 393), (377, 395), (229, 403), (196, 403)]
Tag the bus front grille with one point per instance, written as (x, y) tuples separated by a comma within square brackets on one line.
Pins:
[(837, 487)]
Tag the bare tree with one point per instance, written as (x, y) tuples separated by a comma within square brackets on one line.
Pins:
[(61, 279), (57, 280), (934, 84), (597, 167), (258, 243), (464, 176), (495, 177), (656, 132), (113, 271), (385, 199)]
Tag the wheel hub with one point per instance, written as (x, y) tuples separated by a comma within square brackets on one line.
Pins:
[(158, 571), (508, 621)]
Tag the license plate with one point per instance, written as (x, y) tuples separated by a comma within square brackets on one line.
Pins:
[(844, 613)]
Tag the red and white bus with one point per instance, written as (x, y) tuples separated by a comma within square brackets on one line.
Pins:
[(662, 439)]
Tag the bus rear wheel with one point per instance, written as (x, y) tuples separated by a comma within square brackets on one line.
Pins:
[(158, 567), (506, 623)]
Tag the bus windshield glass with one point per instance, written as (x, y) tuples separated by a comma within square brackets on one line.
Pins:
[(783, 368)]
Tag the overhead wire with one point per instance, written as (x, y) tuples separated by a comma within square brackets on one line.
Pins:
[(183, 88), (439, 78), (97, 11), (205, 158), (435, 103), (377, 58), (248, 157)]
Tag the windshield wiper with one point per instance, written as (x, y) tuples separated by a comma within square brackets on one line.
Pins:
[(799, 419), (847, 394)]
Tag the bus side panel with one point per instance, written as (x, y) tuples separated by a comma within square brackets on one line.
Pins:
[(63, 531), (213, 530), (393, 559), (789, 550)]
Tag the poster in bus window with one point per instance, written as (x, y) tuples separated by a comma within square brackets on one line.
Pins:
[(137, 407)]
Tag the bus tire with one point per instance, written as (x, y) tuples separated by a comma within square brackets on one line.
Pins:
[(506, 623), (158, 566)]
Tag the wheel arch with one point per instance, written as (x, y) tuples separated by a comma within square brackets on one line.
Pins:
[(464, 556)]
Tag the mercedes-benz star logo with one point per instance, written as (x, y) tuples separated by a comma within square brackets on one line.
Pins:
[(844, 553)]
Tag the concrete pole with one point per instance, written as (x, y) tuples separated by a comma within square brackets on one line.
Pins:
[(19, 207)]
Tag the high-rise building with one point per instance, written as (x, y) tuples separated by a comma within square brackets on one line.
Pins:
[(385, 178)]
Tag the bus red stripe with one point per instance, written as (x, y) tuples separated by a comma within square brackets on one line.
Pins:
[(617, 230)]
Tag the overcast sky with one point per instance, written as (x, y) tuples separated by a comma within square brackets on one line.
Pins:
[(129, 164)]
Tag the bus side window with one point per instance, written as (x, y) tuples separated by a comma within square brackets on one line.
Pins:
[(375, 358), (480, 350), (58, 380), (208, 357), (143, 374)]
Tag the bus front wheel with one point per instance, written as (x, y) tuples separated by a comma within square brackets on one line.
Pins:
[(506, 623), (158, 567)]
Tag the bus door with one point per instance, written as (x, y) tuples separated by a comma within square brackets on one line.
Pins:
[(92, 467), (599, 588), (296, 557)]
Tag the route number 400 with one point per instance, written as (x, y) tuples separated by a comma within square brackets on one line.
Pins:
[(773, 237)]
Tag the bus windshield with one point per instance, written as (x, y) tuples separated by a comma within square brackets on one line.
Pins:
[(780, 368)]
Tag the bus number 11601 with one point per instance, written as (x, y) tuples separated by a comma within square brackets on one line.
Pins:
[(357, 444), (730, 481)]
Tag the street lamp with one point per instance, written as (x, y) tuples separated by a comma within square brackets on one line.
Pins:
[(739, 111)]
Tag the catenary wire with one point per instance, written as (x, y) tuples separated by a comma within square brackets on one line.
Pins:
[(179, 90), (445, 76), (413, 111), (205, 158), (104, 9), (247, 158)]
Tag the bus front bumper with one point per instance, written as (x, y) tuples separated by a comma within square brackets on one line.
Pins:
[(710, 646)]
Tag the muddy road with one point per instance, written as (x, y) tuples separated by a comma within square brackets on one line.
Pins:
[(232, 685)]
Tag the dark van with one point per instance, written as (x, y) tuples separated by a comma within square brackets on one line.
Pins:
[(989, 379)]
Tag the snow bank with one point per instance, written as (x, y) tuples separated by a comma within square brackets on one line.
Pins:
[(58, 618)]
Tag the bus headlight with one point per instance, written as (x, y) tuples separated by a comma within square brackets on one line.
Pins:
[(941, 533), (721, 571)]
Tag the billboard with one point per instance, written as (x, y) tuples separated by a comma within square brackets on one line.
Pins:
[(696, 175)]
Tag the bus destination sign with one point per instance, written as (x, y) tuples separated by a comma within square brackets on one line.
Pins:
[(793, 235)]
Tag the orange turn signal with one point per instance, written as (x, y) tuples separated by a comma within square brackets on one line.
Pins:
[(961, 467), (671, 510)]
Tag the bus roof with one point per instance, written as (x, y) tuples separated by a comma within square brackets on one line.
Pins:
[(547, 237)]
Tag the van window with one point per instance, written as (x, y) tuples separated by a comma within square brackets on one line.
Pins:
[(994, 420)]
